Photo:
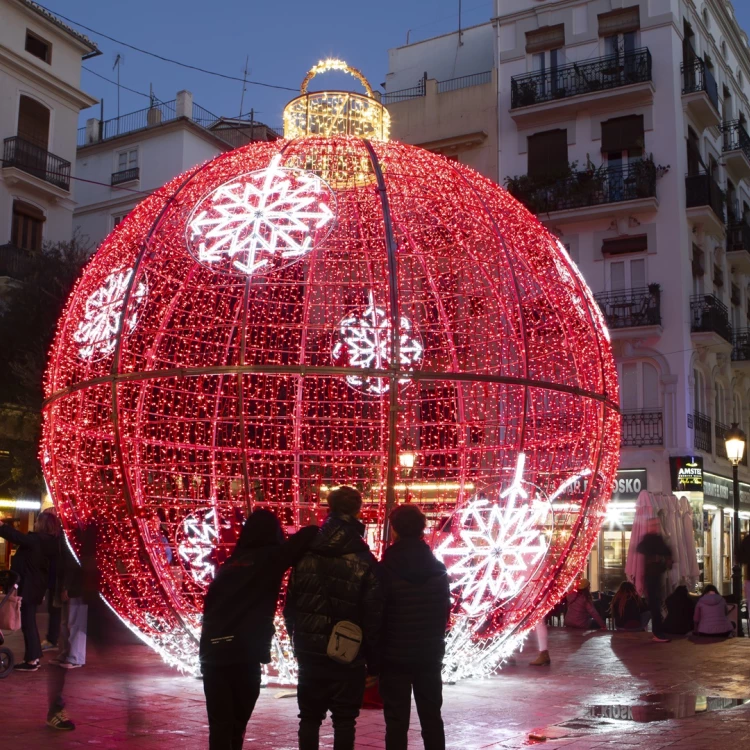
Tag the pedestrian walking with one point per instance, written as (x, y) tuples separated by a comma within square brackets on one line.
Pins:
[(657, 560), (74, 607), (710, 615), (542, 643), (54, 610), (417, 607), (581, 613), (334, 612), (31, 562), (238, 625), (629, 610)]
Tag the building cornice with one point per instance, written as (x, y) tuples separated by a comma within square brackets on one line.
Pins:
[(138, 136), (85, 45), (75, 97)]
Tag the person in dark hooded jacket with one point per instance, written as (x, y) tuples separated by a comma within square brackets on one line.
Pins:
[(32, 562), (335, 581), (417, 606), (238, 624)]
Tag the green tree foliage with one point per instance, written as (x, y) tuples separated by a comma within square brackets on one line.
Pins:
[(29, 311)]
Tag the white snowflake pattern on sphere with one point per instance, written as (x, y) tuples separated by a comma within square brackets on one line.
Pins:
[(263, 219), (498, 545), (364, 339), (102, 316), (197, 546)]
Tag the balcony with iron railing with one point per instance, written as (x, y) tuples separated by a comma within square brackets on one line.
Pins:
[(15, 263), (631, 308), (585, 77), (586, 189), (709, 315), (125, 175), (736, 148), (36, 161), (702, 439), (703, 192), (720, 433), (701, 92), (642, 427)]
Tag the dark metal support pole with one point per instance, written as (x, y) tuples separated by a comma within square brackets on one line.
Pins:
[(736, 568)]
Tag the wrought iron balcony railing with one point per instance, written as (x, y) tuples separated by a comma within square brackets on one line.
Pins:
[(741, 345), (125, 175), (593, 187), (30, 158), (15, 263), (702, 190), (702, 432), (642, 427), (738, 236), (462, 82), (602, 73), (631, 308), (709, 314), (736, 137), (697, 77)]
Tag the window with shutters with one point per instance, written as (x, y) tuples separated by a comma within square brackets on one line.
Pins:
[(719, 404), (639, 386), (548, 154), (27, 226), (33, 122), (546, 47), (623, 139), (619, 33), (627, 274), (695, 161), (699, 392), (127, 159)]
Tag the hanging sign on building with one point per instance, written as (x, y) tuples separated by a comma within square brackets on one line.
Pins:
[(686, 473), (629, 484), (719, 489)]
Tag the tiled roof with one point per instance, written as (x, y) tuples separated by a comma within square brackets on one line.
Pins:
[(55, 20)]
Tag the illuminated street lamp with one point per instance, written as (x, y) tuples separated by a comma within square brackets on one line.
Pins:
[(406, 460), (735, 443)]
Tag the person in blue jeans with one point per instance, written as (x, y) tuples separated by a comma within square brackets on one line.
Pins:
[(417, 606)]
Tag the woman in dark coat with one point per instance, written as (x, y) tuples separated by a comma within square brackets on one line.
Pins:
[(238, 623), (32, 562)]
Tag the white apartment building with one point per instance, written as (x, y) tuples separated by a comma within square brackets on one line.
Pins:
[(123, 160), (623, 125), (40, 99)]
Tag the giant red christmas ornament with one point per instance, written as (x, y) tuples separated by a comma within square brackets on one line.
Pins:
[(333, 308)]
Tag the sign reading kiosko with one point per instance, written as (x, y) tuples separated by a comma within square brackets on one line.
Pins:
[(686, 473)]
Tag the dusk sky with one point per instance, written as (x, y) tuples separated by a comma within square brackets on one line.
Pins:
[(282, 40)]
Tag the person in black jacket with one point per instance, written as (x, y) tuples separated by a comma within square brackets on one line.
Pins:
[(238, 624), (31, 562), (417, 606), (336, 580), (657, 560)]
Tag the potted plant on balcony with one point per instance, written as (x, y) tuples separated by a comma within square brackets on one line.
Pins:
[(526, 93)]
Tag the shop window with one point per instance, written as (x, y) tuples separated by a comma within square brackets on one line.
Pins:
[(27, 225), (38, 47), (548, 153)]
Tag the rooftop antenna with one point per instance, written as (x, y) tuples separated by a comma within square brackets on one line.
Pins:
[(460, 30), (244, 83), (118, 63)]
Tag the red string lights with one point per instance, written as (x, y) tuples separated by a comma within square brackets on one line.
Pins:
[(294, 315)]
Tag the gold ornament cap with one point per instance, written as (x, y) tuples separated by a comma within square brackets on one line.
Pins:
[(328, 113)]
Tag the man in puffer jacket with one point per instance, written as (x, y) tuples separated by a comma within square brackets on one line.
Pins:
[(336, 580), (417, 605), (710, 615)]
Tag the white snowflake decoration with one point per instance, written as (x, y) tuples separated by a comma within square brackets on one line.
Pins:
[(498, 547), (196, 549), (102, 316), (365, 339), (263, 219)]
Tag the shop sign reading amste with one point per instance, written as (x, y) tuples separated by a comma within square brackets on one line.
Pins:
[(686, 473)]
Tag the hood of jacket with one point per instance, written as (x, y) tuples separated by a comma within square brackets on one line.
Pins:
[(712, 600), (340, 535), (412, 560)]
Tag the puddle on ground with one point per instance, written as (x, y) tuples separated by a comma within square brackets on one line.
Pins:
[(656, 707)]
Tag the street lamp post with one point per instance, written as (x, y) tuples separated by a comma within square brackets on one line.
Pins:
[(735, 442)]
